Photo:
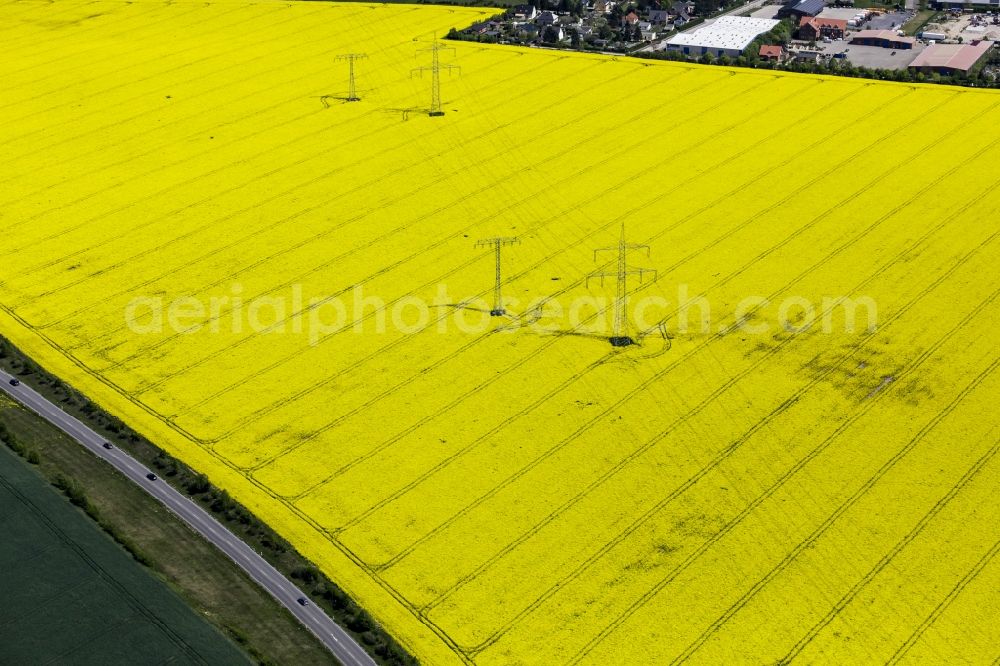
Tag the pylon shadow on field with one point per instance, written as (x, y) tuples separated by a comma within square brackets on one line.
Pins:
[(504, 321), (343, 98), (406, 111), (325, 99), (472, 308), (462, 305), (647, 345), (562, 333)]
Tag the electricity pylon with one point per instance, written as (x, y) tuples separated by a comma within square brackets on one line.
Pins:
[(351, 58), (619, 334), (496, 244), (435, 70)]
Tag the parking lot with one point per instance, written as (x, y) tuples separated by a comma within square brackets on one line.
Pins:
[(889, 21), (878, 57), (871, 56)]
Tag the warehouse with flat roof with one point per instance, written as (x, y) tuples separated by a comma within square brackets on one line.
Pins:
[(730, 35)]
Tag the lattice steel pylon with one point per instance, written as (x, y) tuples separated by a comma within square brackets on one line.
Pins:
[(619, 334), (352, 89), (435, 70), (496, 244)]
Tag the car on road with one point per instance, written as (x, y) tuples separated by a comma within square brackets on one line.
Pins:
[(151, 476), (14, 381), (107, 445), (303, 601)]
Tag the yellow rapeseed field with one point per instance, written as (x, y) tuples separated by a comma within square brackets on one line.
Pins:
[(198, 232)]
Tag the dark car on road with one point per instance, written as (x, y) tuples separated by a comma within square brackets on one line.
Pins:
[(302, 601), (107, 445), (151, 476), (15, 381)]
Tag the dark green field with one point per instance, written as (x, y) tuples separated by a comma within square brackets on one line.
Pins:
[(72, 595)]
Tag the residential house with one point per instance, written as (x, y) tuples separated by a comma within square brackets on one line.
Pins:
[(478, 28), (525, 12), (559, 33), (681, 14), (814, 28), (529, 30), (547, 18), (659, 16), (772, 53)]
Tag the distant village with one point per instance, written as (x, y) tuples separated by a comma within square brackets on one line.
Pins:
[(596, 24), (950, 42)]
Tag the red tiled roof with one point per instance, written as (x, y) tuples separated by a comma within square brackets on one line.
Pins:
[(770, 50), (823, 22)]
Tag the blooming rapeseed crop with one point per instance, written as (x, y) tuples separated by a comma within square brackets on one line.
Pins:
[(499, 493)]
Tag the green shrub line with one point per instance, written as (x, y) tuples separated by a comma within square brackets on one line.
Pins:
[(75, 493), (77, 496), (237, 518), (15, 445)]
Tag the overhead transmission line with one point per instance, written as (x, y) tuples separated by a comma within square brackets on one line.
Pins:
[(435, 69), (497, 243), (352, 89), (620, 334)]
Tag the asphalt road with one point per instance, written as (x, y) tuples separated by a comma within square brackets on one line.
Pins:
[(338, 641)]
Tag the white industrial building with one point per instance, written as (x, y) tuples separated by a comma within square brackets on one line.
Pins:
[(729, 36)]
